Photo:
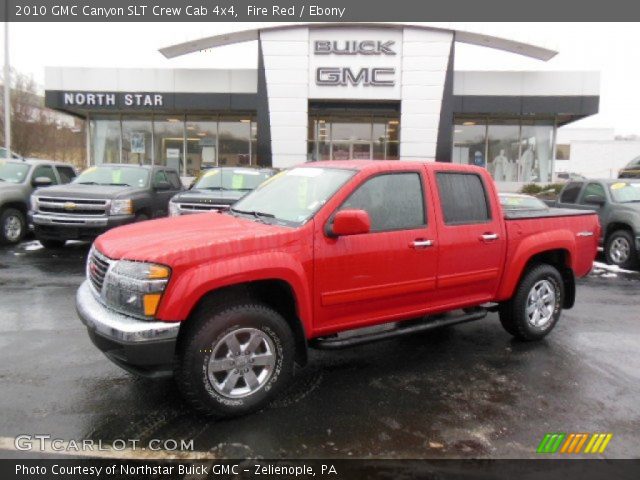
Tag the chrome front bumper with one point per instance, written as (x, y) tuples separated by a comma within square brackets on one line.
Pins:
[(71, 220), (118, 327)]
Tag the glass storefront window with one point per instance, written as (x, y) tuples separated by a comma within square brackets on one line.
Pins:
[(503, 147), (536, 147), (137, 144), (234, 141), (168, 133), (202, 144), (469, 141), (105, 140)]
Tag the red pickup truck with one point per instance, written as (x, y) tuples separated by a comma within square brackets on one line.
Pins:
[(230, 301)]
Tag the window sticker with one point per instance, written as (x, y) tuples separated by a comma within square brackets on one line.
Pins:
[(116, 177), (211, 173), (90, 169), (246, 172), (305, 172), (237, 181), (618, 186)]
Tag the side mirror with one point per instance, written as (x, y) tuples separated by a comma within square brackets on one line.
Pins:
[(41, 182), (350, 222), (163, 186), (594, 200)]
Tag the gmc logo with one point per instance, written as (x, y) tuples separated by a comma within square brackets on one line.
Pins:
[(343, 76), (353, 47)]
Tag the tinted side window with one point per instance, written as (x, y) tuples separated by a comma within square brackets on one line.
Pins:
[(463, 198), (393, 201), (593, 189), (66, 174), (570, 193), (159, 177), (45, 171), (174, 179)]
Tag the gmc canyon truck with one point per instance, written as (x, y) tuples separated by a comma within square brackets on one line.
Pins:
[(217, 189), (312, 258), (100, 198), (18, 179)]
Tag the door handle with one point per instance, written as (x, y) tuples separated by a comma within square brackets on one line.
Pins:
[(489, 237), (421, 243)]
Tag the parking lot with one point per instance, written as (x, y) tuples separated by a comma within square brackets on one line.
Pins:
[(466, 391)]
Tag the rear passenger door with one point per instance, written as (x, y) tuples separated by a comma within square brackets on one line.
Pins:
[(471, 238), (569, 195)]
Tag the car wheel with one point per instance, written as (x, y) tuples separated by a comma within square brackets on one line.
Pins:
[(51, 243), (536, 305), (621, 250), (235, 361), (13, 226)]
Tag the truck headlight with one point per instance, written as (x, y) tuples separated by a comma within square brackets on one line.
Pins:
[(121, 207), (174, 209), (35, 203), (135, 288)]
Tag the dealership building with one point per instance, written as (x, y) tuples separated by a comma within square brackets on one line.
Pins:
[(330, 91)]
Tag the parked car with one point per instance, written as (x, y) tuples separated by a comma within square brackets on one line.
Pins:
[(230, 301), (617, 203), (100, 198), (217, 189), (631, 169), (563, 177), (520, 201), (18, 179)]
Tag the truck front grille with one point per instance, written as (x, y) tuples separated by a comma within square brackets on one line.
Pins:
[(73, 206), (202, 207), (97, 267)]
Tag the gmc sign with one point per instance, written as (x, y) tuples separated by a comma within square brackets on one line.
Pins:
[(369, 77)]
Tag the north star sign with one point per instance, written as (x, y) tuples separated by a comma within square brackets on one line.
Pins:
[(104, 99), (344, 76)]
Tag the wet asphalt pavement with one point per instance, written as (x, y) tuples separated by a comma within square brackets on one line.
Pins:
[(464, 391)]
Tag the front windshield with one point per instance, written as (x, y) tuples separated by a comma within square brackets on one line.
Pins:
[(514, 202), (13, 172), (625, 192), (294, 196), (114, 175), (231, 179), (634, 163)]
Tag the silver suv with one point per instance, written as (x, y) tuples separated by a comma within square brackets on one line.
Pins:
[(18, 179)]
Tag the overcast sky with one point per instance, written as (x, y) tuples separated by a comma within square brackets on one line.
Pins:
[(613, 49)]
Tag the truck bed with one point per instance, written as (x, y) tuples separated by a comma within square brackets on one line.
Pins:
[(550, 213)]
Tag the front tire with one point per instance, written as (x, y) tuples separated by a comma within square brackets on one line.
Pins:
[(536, 305), (13, 226), (620, 249), (235, 361)]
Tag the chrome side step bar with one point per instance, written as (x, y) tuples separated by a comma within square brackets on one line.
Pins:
[(408, 327)]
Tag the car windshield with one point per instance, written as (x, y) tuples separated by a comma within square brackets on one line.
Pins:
[(114, 175), (231, 179), (294, 196), (634, 163), (625, 192), (518, 202), (13, 172)]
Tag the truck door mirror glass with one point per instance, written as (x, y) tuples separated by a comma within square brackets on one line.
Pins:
[(594, 200), (41, 182), (350, 222), (163, 186)]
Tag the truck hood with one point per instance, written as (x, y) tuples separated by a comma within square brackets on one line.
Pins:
[(100, 192), (225, 197), (191, 239)]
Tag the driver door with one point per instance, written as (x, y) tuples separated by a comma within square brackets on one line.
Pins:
[(390, 271)]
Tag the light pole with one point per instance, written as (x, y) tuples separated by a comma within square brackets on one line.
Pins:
[(7, 88)]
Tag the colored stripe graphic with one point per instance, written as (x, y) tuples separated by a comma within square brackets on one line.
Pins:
[(573, 443)]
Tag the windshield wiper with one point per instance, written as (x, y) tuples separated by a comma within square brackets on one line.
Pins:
[(118, 184), (211, 188), (259, 215), (86, 183)]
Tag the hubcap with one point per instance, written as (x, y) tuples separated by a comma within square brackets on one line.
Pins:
[(619, 250), (541, 303), (12, 228), (241, 362)]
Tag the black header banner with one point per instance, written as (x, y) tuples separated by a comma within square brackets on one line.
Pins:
[(316, 10)]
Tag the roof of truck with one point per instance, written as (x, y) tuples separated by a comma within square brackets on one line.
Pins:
[(389, 165)]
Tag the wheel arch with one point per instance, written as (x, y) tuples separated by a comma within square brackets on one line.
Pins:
[(275, 293)]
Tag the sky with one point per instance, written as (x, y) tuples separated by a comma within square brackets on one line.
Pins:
[(608, 48)]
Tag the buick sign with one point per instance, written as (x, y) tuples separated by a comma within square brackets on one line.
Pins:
[(353, 47)]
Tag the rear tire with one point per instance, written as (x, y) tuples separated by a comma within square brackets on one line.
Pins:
[(621, 250), (13, 226), (235, 361), (52, 244), (536, 306)]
